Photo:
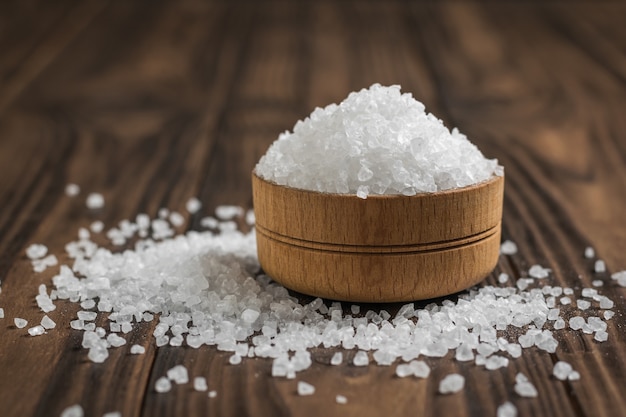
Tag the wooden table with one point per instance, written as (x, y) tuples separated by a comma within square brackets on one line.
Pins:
[(154, 102)]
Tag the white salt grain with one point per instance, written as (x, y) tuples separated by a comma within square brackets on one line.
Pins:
[(47, 323), (212, 394), (503, 278), (608, 315), (234, 359), (451, 384), (250, 217), (112, 414), (562, 370), (336, 359), (507, 410), (340, 399), (73, 411), (576, 323), (525, 389), (583, 304), (95, 201), (1, 313), (573, 376), (601, 336), (227, 212), (162, 384), (620, 277), (508, 247), (96, 227), (137, 350), (72, 190), (597, 283), (539, 272), (566, 301), (199, 384), (178, 374), (20, 323), (589, 252), (599, 266), (361, 359), (36, 331), (176, 219), (193, 205), (376, 138), (36, 251), (305, 388)]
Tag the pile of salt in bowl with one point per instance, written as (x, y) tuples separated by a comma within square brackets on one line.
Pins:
[(376, 141)]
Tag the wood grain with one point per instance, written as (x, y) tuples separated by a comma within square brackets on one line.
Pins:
[(152, 102)]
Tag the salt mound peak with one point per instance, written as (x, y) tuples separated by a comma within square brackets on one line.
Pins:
[(377, 141)]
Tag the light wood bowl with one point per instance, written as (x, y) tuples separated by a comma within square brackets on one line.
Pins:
[(380, 249)]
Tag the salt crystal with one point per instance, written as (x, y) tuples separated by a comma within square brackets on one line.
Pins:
[(212, 394), (36, 251), (340, 399), (589, 252), (597, 283), (227, 212), (36, 331), (566, 301), (508, 247), (137, 350), (539, 272), (73, 411), (576, 323), (464, 353), (199, 384), (608, 315), (176, 219), (420, 369), (249, 315), (601, 336), (361, 359), (599, 266), (162, 384), (503, 278), (583, 304), (234, 359), (250, 218), (562, 370), (209, 222), (1, 313), (115, 340), (305, 388), (559, 324), (336, 359), (112, 414), (376, 138), (72, 190), (47, 323), (178, 374), (95, 201), (507, 410), (403, 370), (553, 314), (20, 323), (193, 205), (620, 277), (606, 303), (589, 292), (87, 315), (573, 376), (525, 388), (451, 384)]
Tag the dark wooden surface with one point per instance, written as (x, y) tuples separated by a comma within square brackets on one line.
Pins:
[(154, 102)]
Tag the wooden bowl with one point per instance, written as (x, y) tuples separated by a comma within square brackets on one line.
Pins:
[(380, 249)]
